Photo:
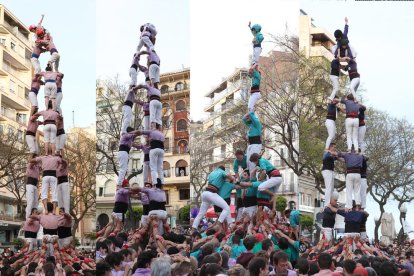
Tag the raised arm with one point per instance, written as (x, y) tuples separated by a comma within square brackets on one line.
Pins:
[(41, 20), (345, 34)]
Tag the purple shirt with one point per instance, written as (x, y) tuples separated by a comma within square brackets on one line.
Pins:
[(351, 106), (130, 96), (49, 162), (152, 91), (144, 199), (153, 57), (155, 194), (154, 135), (145, 148), (142, 272), (122, 195), (352, 160), (145, 106), (127, 139)]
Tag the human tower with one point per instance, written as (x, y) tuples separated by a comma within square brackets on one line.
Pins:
[(152, 195)]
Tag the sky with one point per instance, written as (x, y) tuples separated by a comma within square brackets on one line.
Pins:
[(117, 35), (221, 39), (380, 31), (73, 31)]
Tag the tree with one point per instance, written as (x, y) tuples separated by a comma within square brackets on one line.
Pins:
[(306, 222), (13, 160), (200, 156), (185, 213), (81, 155), (281, 204), (390, 167)]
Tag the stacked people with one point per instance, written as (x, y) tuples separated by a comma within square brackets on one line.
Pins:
[(152, 142), (48, 167)]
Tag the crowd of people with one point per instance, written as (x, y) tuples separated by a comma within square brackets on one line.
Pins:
[(259, 241), (48, 242)]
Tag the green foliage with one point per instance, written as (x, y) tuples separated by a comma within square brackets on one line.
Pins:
[(18, 244), (185, 213), (306, 221), (77, 242), (137, 212), (91, 236), (281, 204)]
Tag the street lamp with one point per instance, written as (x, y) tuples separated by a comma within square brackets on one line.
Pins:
[(403, 212)]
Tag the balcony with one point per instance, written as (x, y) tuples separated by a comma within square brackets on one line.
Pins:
[(12, 56), (320, 51), (11, 217), (15, 31)]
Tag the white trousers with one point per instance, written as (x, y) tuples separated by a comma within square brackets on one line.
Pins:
[(31, 198), (49, 181), (335, 86), (351, 127), (154, 73), (60, 141), (327, 232), (36, 65), (161, 215), (353, 86), (254, 148), (208, 198), (145, 40), (49, 133), (254, 97), (133, 74), (146, 122), (32, 242), (156, 165), (126, 118), (155, 112), (328, 178), (54, 59), (250, 211), (331, 128), (50, 90), (361, 137), (256, 54), (32, 144), (270, 183), (63, 191), (59, 97), (65, 242), (33, 99), (123, 157), (353, 187), (146, 171), (364, 187)]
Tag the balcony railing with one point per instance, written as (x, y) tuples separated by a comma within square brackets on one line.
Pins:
[(8, 217)]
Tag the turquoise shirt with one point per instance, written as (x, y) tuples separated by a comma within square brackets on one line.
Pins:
[(264, 164), (259, 38), (254, 126), (260, 194), (217, 178), (294, 218), (256, 78), (237, 164), (251, 191), (226, 189), (294, 251)]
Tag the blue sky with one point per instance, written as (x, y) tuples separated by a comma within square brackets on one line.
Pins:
[(381, 33), (72, 24), (117, 34)]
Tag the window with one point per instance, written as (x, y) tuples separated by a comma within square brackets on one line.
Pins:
[(181, 125), (179, 86), (182, 147), (167, 196), (13, 46), (135, 163), (20, 136), (181, 168), (164, 89), (113, 145), (184, 194), (101, 190), (180, 106), (2, 41), (166, 169), (12, 87)]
